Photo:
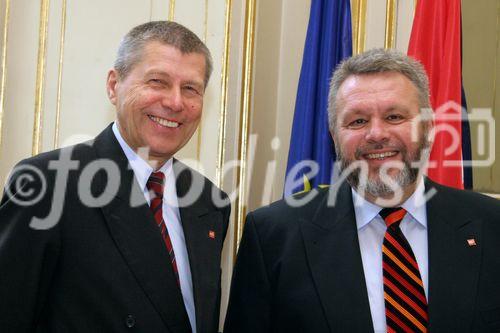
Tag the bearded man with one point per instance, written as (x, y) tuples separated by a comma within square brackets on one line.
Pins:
[(385, 249)]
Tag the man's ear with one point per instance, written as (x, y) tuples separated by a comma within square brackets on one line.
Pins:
[(429, 126), (111, 85), (332, 134)]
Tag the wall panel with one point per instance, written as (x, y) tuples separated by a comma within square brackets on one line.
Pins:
[(481, 74), (235, 58), (55, 45), (4, 26), (21, 64), (406, 10), (375, 23), (208, 136), (91, 42), (159, 10)]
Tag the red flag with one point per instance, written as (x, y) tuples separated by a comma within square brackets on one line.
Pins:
[(436, 42)]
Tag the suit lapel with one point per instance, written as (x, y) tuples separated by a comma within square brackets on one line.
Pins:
[(332, 248), (132, 226), (453, 263), (204, 237)]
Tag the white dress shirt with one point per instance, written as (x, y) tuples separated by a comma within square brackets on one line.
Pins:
[(371, 229), (142, 171)]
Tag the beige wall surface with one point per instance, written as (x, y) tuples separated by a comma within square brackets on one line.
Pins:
[(256, 72), (280, 34), (18, 93), (481, 74)]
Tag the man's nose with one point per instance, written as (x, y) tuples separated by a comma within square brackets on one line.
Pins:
[(377, 131), (173, 99)]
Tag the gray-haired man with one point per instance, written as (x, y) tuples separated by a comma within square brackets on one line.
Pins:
[(122, 236)]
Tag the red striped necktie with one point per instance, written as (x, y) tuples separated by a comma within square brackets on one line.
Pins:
[(404, 296), (155, 186)]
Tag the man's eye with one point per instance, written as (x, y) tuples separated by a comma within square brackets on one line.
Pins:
[(394, 117), (156, 82), (357, 122), (192, 89)]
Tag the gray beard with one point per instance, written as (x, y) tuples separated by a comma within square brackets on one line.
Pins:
[(378, 188)]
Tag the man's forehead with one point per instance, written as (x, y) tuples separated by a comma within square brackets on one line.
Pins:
[(355, 79), (389, 81), (159, 52)]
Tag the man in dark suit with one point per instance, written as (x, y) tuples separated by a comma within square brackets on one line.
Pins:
[(115, 234), (385, 249)]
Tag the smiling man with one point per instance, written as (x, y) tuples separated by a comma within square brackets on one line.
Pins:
[(121, 235), (159, 100), (384, 249), (374, 119)]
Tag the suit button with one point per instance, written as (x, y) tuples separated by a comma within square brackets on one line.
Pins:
[(130, 321)]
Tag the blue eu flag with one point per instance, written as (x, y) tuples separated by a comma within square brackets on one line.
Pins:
[(328, 42)]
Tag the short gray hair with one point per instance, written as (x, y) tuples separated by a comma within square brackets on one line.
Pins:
[(378, 61), (165, 32)]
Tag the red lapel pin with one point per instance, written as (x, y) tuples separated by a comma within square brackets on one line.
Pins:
[(211, 234), (471, 242)]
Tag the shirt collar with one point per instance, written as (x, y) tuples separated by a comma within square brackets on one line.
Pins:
[(366, 211), (415, 205), (142, 170)]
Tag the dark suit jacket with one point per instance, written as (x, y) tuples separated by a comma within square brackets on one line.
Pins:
[(300, 269), (104, 268)]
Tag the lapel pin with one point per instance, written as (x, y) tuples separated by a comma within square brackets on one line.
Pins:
[(471, 242), (211, 234)]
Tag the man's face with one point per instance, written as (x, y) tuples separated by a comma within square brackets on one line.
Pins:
[(376, 114), (159, 102)]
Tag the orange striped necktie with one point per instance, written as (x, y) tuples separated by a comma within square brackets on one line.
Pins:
[(155, 186), (404, 296)]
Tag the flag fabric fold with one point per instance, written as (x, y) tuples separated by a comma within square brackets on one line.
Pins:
[(328, 41), (436, 42)]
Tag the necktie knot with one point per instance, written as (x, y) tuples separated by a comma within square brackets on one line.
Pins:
[(155, 184), (392, 216)]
